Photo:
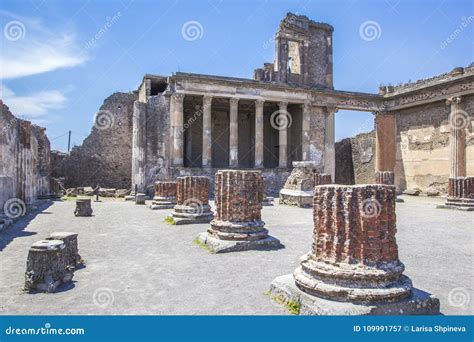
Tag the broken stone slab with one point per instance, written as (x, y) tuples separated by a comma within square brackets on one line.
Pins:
[(46, 267), (417, 303), (431, 192), (83, 207), (411, 192), (119, 193), (71, 250), (299, 198), (225, 246), (129, 198)]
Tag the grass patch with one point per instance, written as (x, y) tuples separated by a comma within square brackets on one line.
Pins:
[(292, 306), (204, 246), (170, 220)]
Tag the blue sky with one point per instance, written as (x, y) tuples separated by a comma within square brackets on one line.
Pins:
[(53, 74)]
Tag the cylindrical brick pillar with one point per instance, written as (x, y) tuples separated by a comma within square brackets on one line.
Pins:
[(384, 177), (165, 195), (237, 225), (461, 187), (322, 179), (46, 267), (238, 199), (192, 198), (354, 256)]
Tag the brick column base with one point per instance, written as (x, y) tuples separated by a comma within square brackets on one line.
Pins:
[(165, 195), (192, 197), (460, 194)]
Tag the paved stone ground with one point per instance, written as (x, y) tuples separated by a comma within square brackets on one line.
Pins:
[(137, 264)]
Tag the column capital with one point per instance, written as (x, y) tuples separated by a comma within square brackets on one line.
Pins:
[(207, 100), (283, 104), (178, 96), (454, 99), (331, 109), (380, 113), (234, 101), (259, 102)]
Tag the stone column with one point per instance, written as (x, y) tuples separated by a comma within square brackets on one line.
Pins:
[(165, 195), (237, 224), (71, 250), (353, 266), (206, 131), (306, 131), (283, 134), (330, 143), (177, 122), (259, 133), (192, 197), (234, 133), (322, 179), (457, 138), (139, 146), (385, 141), (384, 177)]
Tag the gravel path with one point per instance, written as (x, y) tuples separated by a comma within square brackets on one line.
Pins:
[(137, 264)]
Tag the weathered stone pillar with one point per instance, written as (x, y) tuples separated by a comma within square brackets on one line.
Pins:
[(353, 266), (206, 131), (259, 133), (282, 120), (322, 179), (305, 148), (46, 268), (139, 146), (192, 197), (83, 207), (385, 177), (165, 195), (457, 138), (177, 121), (385, 141), (298, 188), (330, 143), (71, 250), (234, 133), (237, 224)]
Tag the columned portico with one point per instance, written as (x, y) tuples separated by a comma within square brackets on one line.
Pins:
[(259, 133), (206, 131), (177, 116), (234, 133), (282, 122), (457, 138)]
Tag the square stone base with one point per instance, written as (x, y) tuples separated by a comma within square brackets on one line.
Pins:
[(303, 199), (192, 219), (458, 204), (225, 246), (156, 206), (419, 303)]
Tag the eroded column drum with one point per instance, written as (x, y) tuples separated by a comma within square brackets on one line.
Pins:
[(385, 177), (192, 197), (238, 199), (322, 179), (165, 195), (354, 256)]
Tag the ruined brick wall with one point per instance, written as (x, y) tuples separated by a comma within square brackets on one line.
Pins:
[(25, 157), (423, 146), (105, 157)]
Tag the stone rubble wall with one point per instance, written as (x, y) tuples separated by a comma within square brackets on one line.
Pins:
[(25, 157), (105, 156)]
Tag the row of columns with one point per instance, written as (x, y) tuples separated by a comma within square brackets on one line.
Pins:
[(177, 120)]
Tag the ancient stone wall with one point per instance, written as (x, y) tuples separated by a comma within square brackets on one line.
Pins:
[(25, 157), (105, 156), (423, 146), (344, 167)]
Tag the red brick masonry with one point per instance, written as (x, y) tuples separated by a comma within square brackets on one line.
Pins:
[(194, 188), (461, 187), (384, 177)]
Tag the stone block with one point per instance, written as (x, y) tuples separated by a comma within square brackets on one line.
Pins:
[(83, 207), (46, 268), (140, 198), (71, 250)]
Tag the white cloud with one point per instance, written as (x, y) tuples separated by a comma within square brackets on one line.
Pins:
[(35, 105), (30, 48)]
